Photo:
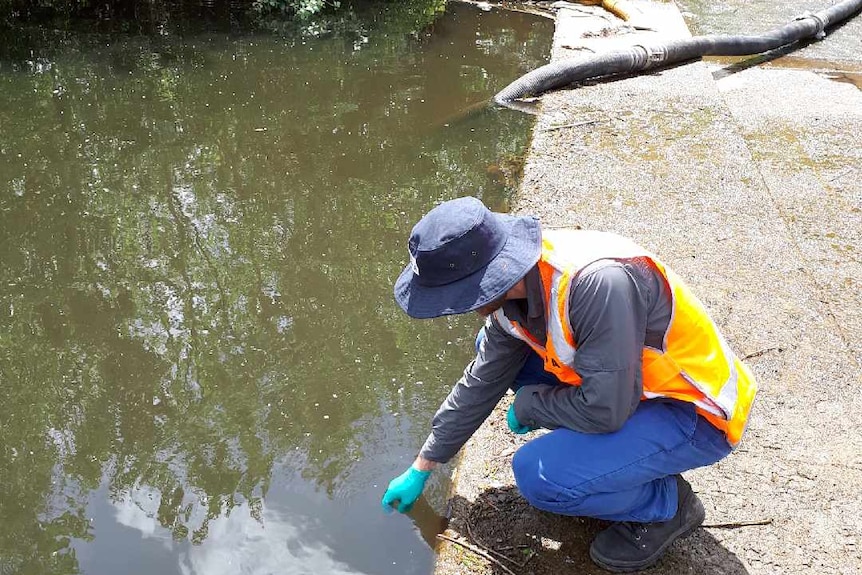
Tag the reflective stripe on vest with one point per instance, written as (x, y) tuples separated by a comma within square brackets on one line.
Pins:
[(695, 364)]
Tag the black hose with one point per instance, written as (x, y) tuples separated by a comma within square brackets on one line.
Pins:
[(637, 58)]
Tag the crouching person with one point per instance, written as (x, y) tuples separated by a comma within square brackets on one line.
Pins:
[(605, 346)]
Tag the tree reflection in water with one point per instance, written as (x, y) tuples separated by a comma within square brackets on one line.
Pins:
[(198, 241)]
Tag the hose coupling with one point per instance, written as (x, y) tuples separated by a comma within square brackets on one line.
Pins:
[(822, 23), (654, 55)]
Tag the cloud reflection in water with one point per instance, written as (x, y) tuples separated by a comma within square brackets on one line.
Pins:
[(236, 543)]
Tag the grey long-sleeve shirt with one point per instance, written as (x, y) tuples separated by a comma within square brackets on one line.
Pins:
[(616, 308)]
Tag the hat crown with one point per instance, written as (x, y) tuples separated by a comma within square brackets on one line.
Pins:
[(454, 240)]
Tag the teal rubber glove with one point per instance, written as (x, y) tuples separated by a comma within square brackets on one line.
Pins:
[(514, 425), (405, 489)]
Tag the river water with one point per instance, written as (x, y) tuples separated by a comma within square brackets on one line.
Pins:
[(202, 367)]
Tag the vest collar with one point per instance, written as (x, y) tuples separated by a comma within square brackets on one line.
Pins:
[(535, 293), (530, 315)]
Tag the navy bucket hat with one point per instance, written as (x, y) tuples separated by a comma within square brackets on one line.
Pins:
[(464, 256)]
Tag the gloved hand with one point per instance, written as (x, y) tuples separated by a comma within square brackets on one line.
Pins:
[(406, 489), (514, 425)]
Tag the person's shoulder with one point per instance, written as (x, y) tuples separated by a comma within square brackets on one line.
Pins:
[(608, 269), (603, 279)]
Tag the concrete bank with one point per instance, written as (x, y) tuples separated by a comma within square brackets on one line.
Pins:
[(748, 181)]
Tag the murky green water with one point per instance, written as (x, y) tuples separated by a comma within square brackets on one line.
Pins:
[(202, 367)]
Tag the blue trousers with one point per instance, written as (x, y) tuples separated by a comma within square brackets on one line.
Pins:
[(626, 475)]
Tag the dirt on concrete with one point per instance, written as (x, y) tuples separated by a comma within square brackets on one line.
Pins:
[(747, 181)]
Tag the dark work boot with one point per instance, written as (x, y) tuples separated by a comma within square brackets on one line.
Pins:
[(627, 546)]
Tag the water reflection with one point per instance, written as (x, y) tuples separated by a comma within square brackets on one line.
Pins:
[(250, 539), (253, 541), (199, 350)]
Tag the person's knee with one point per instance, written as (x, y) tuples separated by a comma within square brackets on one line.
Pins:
[(535, 485), (525, 467)]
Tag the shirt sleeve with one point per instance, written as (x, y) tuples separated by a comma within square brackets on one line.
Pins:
[(608, 311), (498, 360)]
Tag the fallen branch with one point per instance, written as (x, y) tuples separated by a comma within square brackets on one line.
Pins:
[(575, 125), (477, 551), (737, 524), (468, 522), (498, 552)]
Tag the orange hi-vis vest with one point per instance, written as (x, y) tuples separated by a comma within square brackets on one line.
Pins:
[(695, 364)]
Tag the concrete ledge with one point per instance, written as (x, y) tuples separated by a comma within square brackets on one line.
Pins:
[(753, 194)]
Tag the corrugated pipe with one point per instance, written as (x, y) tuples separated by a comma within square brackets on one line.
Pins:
[(639, 57)]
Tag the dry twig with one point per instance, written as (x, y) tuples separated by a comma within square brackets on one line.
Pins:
[(737, 524), (505, 453), (761, 352), (498, 552), (477, 551), (575, 125), (469, 523)]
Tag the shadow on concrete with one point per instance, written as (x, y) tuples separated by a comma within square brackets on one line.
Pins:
[(532, 107), (758, 59), (765, 57), (527, 540)]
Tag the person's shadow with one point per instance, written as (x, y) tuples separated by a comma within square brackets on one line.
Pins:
[(501, 524)]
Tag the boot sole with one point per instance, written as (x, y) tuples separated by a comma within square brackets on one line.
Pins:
[(629, 566)]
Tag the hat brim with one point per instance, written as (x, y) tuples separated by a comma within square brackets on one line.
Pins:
[(520, 253)]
